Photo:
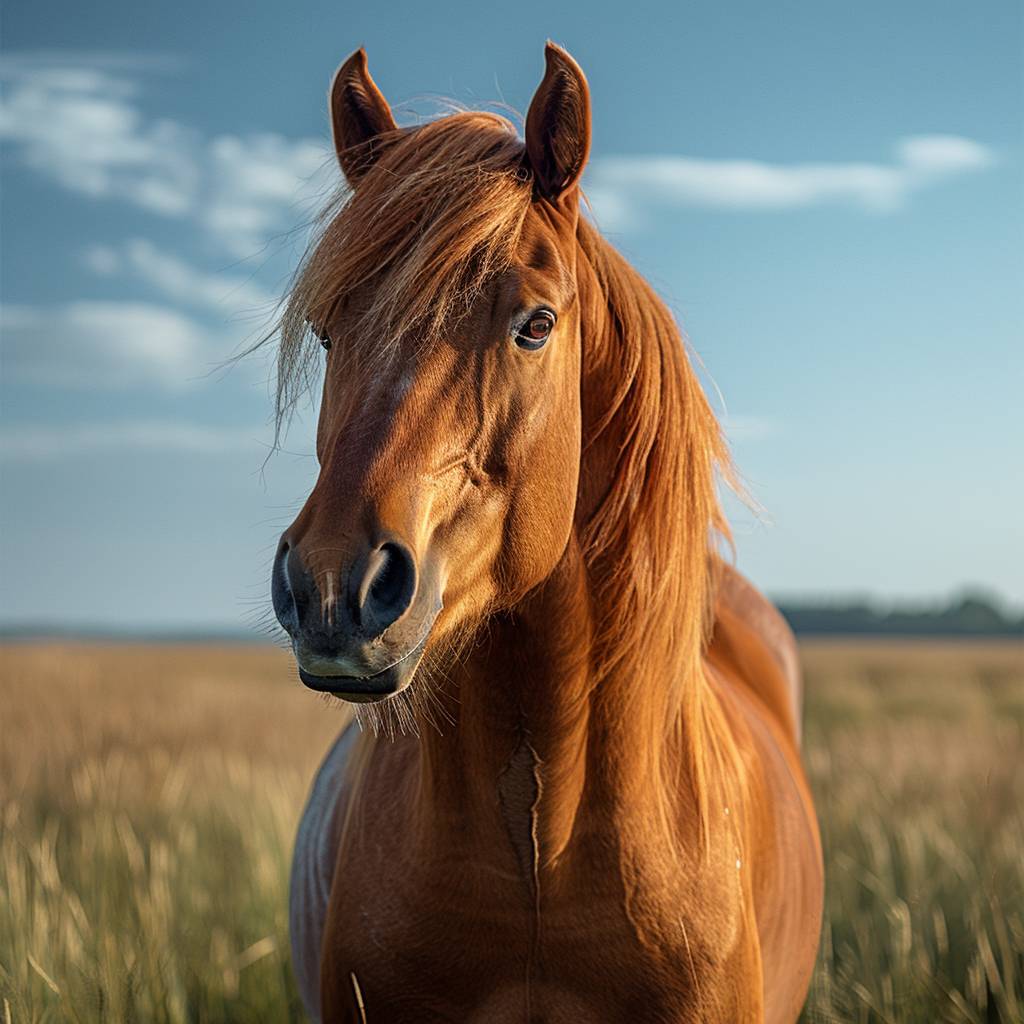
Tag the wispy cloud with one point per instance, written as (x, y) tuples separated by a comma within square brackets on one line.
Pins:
[(80, 120), (262, 185), (81, 127), (226, 294), (41, 442), (82, 124), (620, 187), (107, 345)]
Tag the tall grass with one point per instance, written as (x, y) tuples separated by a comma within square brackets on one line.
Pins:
[(148, 798), (916, 755)]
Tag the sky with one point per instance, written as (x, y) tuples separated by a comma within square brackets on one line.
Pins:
[(828, 196)]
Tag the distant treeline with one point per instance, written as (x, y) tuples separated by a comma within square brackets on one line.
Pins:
[(969, 614)]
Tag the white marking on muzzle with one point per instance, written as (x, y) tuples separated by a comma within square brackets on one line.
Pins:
[(327, 599)]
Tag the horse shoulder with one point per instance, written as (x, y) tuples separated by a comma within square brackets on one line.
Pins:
[(753, 657), (753, 643)]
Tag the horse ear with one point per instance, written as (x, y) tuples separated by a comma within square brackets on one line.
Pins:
[(558, 125), (360, 116)]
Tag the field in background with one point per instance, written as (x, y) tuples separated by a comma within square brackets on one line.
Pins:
[(916, 755), (148, 798)]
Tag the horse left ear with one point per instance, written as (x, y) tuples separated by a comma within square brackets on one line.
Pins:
[(360, 117), (558, 126)]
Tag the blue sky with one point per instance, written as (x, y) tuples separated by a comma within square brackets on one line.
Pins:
[(828, 195)]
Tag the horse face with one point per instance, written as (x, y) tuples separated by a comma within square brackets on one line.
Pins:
[(448, 474)]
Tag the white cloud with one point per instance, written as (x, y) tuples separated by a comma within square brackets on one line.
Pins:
[(81, 124), (943, 154), (107, 345), (80, 121), (262, 185), (102, 259), (32, 443), (228, 295), (619, 187)]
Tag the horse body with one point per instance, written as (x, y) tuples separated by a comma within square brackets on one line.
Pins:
[(601, 815), (440, 911)]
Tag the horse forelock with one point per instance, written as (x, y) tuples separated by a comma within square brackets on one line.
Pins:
[(408, 251)]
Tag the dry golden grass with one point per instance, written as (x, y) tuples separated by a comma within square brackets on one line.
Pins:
[(148, 798), (916, 754)]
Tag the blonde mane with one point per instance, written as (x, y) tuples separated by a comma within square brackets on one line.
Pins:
[(651, 545)]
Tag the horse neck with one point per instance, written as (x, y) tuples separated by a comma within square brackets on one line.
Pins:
[(588, 698), (539, 748)]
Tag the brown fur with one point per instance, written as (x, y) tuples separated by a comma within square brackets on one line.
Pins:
[(612, 823)]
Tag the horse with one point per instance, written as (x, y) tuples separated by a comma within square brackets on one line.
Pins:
[(577, 794)]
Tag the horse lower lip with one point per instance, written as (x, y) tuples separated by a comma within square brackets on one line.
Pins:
[(368, 689), (359, 689)]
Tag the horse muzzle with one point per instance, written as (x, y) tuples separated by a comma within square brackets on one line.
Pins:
[(358, 631)]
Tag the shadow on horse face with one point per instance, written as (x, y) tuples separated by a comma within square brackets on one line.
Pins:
[(448, 473)]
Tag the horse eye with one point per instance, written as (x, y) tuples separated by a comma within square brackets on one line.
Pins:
[(536, 331), (326, 343)]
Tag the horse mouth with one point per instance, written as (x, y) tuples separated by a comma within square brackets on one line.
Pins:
[(368, 689)]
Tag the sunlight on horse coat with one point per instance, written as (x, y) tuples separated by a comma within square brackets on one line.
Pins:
[(578, 793)]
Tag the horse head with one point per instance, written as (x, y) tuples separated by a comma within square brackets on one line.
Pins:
[(444, 292)]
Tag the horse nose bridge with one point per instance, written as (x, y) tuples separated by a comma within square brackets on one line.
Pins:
[(320, 537), (379, 458), (344, 521), (358, 545), (356, 548)]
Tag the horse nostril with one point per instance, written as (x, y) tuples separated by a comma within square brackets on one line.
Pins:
[(281, 594), (387, 585), (387, 589)]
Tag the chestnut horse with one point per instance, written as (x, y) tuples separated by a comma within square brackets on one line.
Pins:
[(587, 803)]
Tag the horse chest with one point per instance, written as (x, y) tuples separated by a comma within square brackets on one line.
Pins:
[(466, 940)]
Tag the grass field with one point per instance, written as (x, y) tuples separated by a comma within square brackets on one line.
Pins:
[(148, 798)]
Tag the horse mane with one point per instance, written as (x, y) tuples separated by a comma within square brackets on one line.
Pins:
[(433, 220), (651, 544)]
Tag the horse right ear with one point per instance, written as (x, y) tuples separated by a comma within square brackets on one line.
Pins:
[(558, 126), (361, 119)]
